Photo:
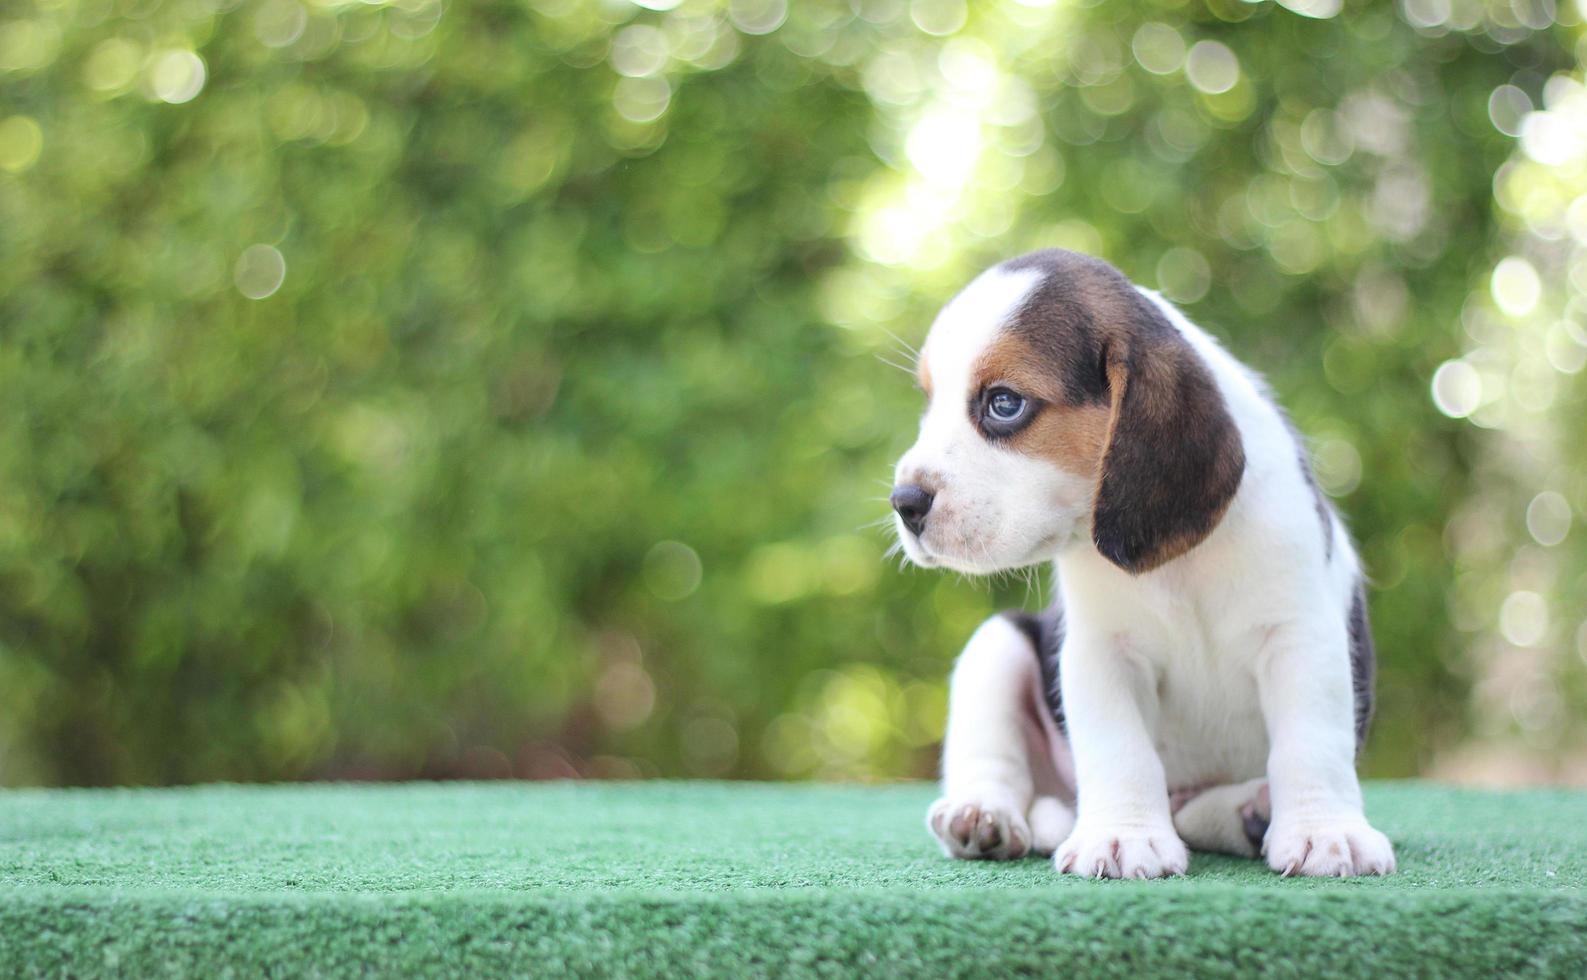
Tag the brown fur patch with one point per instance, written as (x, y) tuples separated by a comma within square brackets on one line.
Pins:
[(1129, 399), (1070, 433), (923, 375), (1174, 458)]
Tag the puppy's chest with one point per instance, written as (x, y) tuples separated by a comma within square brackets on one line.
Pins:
[(1205, 719)]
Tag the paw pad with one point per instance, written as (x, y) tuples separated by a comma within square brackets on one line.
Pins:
[(969, 829)]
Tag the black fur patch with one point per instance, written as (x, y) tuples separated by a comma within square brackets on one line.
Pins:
[(1172, 466), (1175, 458), (1255, 827), (1363, 662), (1059, 319), (1045, 631)]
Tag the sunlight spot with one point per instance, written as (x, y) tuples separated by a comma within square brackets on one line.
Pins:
[(1516, 287), (757, 16), (177, 77), (641, 100), (1158, 48), (1548, 518), (938, 17), (1212, 67), (944, 145), (21, 142), (1523, 619), (259, 272), (1318, 9), (1507, 106), (1457, 389)]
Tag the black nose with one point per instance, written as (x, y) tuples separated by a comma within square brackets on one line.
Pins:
[(912, 504)]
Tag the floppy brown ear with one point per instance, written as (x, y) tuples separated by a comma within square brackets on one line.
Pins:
[(1174, 457)]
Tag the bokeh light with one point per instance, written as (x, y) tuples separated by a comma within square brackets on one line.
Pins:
[(1457, 389), (409, 389), (259, 271), (1212, 67), (21, 142), (177, 76)]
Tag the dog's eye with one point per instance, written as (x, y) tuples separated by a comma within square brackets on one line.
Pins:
[(1003, 405)]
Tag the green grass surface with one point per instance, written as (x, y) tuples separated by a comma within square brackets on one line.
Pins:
[(725, 879)]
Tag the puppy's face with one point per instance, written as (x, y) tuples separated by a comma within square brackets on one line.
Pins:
[(1009, 450), (1062, 406)]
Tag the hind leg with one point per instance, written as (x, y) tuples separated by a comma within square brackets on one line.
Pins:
[(1003, 792), (1229, 819)]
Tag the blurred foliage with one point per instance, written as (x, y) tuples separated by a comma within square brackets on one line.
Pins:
[(421, 389)]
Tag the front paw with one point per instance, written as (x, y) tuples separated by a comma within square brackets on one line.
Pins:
[(1339, 849), (972, 828), (1123, 853)]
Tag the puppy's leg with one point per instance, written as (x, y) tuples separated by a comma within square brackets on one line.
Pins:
[(1051, 820), (1123, 828), (990, 806), (1229, 819), (1318, 827)]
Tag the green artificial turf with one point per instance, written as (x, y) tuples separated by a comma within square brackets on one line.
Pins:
[(737, 879)]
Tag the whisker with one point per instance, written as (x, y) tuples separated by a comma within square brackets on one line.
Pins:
[(986, 553), (883, 524), (894, 364), (914, 351)]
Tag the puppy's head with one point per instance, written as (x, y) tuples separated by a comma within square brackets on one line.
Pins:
[(1062, 403)]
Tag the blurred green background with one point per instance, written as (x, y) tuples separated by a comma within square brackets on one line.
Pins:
[(428, 389)]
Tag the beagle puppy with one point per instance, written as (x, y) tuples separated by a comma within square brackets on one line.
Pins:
[(1204, 677)]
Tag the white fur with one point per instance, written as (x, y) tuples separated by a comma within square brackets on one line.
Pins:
[(976, 524), (1225, 665), (1009, 767)]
